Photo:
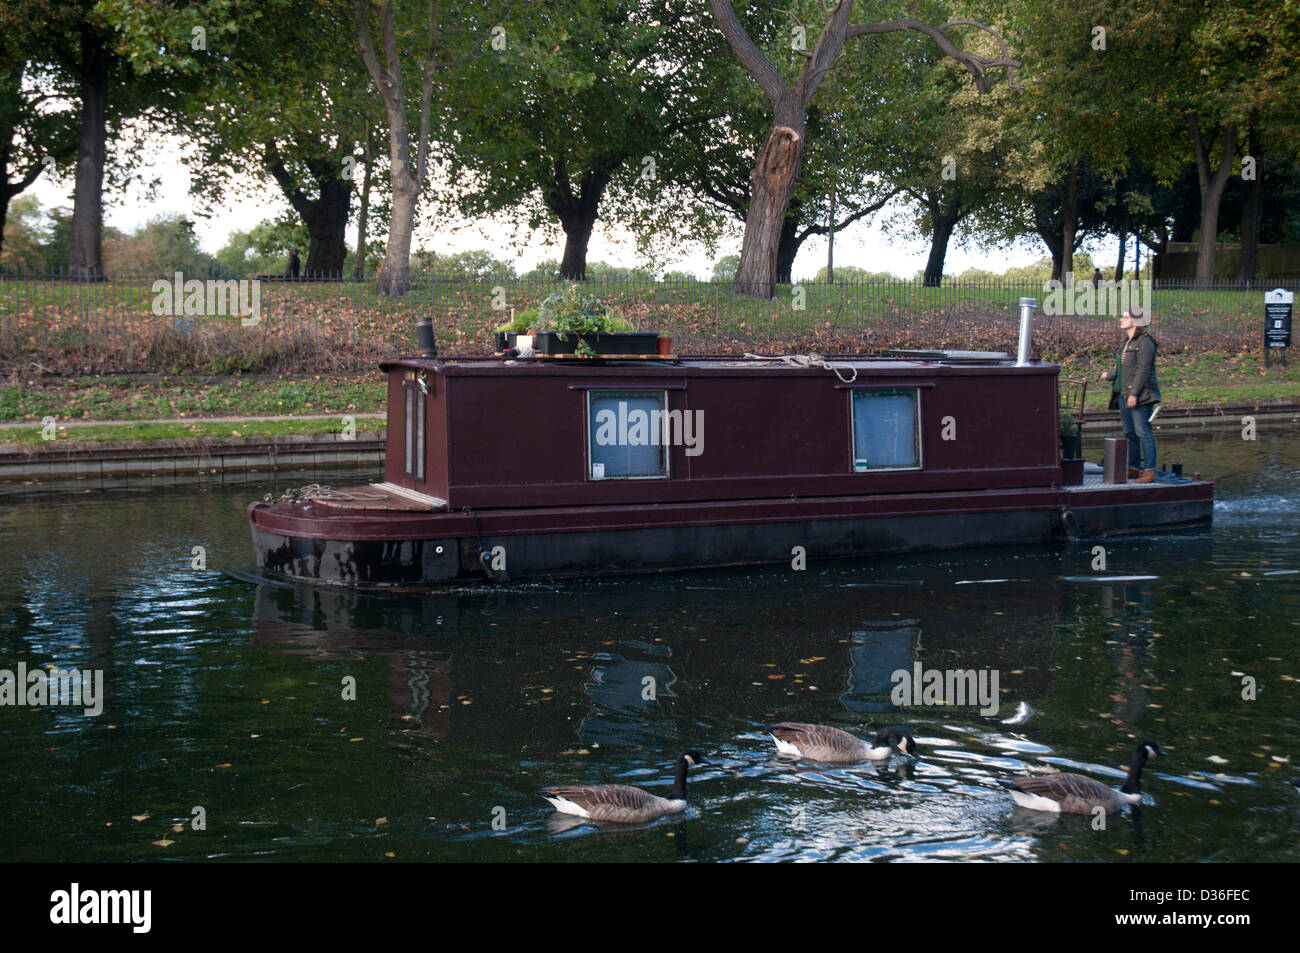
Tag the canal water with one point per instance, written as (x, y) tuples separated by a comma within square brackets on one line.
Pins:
[(243, 720)]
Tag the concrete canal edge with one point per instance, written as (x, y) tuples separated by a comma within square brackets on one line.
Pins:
[(171, 460), (188, 459)]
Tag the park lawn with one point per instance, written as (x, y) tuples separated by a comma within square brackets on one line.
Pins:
[(1198, 379), (153, 397), (198, 432), (1187, 380)]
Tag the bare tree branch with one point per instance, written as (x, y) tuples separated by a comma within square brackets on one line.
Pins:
[(817, 229), (977, 65), (750, 56)]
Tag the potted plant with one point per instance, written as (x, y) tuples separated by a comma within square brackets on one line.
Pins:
[(1069, 436), (504, 335), (570, 321)]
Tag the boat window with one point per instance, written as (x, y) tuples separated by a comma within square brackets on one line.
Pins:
[(413, 462), (625, 434), (885, 433)]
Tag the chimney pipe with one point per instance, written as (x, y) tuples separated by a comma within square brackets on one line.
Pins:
[(1027, 306), (425, 345)]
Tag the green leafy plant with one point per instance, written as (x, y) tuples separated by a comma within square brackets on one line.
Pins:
[(522, 323), (572, 311), (1069, 426)]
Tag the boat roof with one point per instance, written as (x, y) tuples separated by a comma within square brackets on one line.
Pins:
[(886, 364)]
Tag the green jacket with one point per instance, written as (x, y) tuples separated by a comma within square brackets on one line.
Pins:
[(1136, 371)]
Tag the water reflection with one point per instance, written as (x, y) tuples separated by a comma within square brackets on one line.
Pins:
[(227, 692)]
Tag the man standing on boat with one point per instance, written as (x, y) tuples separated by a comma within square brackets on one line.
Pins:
[(1136, 394)]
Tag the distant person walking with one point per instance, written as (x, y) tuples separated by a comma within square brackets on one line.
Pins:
[(1136, 394), (1096, 278), (291, 269)]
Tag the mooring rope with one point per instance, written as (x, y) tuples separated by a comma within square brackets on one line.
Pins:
[(810, 360), (319, 491)]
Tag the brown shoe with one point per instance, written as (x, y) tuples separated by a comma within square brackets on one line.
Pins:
[(1133, 472), (1148, 476)]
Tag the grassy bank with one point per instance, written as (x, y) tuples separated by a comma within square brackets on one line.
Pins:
[(1187, 380), (1191, 380), (198, 431), (154, 397), (344, 327)]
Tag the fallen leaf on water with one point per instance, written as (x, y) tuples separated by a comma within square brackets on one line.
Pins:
[(1216, 759), (226, 765), (139, 817), (177, 828), (163, 843)]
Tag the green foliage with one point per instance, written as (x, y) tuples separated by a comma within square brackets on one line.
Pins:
[(572, 310), (725, 268), (476, 265), (166, 243), (854, 274), (25, 236), (265, 247), (548, 269), (603, 271), (1069, 426)]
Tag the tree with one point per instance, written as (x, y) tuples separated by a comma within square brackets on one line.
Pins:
[(433, 48), (34, 134), (534, 133), (259, 114), (264, 248), (1219, 71), (777, 165), (76, 41)]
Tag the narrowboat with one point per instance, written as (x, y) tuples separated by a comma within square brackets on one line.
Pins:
[(506, 468)]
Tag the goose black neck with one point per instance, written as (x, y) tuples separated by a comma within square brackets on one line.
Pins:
[(679, 780), (1133, 784)]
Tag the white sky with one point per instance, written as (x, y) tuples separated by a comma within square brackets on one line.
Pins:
[(863, 245)]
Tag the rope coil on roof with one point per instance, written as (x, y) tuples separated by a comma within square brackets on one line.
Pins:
[(810, 360)]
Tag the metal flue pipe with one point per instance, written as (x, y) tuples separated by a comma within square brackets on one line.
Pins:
[(1027, 306), (425, 345)]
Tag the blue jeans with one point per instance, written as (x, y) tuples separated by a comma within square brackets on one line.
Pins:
[(1141, 438)]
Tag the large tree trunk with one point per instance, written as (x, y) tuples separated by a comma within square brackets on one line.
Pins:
[(771, 185), (394, 276), (327, 245), (85, 253), (830, 236), (577, 215), (363, 214), (1119, 262), (944, 222), (577, 235), (1069, 219), (1052, 239), (325, 216), (787, 247), (1250, 214), (1212, 182)]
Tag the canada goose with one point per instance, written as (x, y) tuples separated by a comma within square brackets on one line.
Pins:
[(620, 802), (823, 743), (1077, 794)]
